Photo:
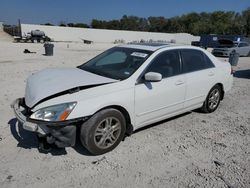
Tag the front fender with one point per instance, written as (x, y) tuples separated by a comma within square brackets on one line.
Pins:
[(88, 107)]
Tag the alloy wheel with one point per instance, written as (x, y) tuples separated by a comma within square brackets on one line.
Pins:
[(107, 132), (214, 99)]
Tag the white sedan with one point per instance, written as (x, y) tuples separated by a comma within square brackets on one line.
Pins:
[(121, 90), (227, 47)]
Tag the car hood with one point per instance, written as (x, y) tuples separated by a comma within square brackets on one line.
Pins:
[(225, 44), (51, 81)]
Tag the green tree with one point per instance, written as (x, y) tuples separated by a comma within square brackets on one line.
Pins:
[(113, 24), (98, 24), (246, 21), (189, 21), (130, 23), (156, 24), (217, 22), (62, 23), (82, 25), (71, 25), (48, 24)]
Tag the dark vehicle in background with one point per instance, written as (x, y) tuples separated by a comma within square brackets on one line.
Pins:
[(226, 47), (212, 41), (196, 43)]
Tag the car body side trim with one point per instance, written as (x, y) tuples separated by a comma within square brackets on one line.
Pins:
[(164, 107)]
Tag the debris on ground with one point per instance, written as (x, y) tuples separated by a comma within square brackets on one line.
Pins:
[(26, 51), (218, 163), (228, 184), (220, 144), (99, 160), (9, 177)]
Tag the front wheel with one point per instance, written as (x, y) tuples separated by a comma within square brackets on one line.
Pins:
[(213, 100), (103, 131)]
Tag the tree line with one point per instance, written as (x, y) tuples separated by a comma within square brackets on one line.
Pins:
[(217, 22)]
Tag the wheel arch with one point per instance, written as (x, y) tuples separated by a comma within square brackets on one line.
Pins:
[(222, 90), (129, 126)]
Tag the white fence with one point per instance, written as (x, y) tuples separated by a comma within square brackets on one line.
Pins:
[(105, 36)]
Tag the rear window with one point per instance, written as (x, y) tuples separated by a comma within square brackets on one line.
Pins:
[(195, 60)]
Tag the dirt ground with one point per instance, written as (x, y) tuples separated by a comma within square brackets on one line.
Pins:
[(191, 150)]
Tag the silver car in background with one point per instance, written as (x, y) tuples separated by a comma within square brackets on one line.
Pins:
[(226, 47)]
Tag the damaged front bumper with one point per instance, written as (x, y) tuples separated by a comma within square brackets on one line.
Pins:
[(62, 134)]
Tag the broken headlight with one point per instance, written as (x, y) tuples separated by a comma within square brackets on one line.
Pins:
[(58, 112)]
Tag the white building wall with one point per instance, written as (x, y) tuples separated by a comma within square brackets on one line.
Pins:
[(105, 36), (1, 26)]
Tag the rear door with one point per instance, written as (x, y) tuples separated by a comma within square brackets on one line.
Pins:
[(200, 76), (156, 100)]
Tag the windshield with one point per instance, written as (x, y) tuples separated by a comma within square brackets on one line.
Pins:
[(118, 63)]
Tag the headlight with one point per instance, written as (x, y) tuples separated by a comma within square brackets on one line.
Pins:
[(54, 113)]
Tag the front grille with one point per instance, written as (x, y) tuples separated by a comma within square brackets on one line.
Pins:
[(218, 53)]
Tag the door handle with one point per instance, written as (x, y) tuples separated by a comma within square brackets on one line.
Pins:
[(179, 82), (211, 74)]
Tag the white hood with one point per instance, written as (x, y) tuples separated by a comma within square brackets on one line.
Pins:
[(52, 81)]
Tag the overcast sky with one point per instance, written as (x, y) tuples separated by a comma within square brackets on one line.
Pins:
[(55, 11)]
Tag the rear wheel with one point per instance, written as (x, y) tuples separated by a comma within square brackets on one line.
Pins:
[(213, 100), (103, 131)]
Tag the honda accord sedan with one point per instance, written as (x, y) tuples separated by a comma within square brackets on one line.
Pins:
[(119, 91)]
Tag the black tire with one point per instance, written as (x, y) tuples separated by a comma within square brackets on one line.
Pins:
[(248, 55), (208, 107), (90, 137)]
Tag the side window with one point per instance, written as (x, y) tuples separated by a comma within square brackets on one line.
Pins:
[(241, 45), (113, 58), (208, 61), (245, 44), (195, 60), (166, 63)]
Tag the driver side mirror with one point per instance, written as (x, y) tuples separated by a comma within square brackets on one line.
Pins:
[(153, 77)]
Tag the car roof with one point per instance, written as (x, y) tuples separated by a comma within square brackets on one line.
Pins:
[(154, 47), (147, 46)]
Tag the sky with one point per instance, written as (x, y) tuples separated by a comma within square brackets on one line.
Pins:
[(81, 11)]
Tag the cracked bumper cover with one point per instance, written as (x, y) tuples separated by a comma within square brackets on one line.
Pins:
[(62, 134)]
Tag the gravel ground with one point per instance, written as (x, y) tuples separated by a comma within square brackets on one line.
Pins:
[(191, 150)]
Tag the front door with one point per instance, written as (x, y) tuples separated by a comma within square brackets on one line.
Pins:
[(156, 100)]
